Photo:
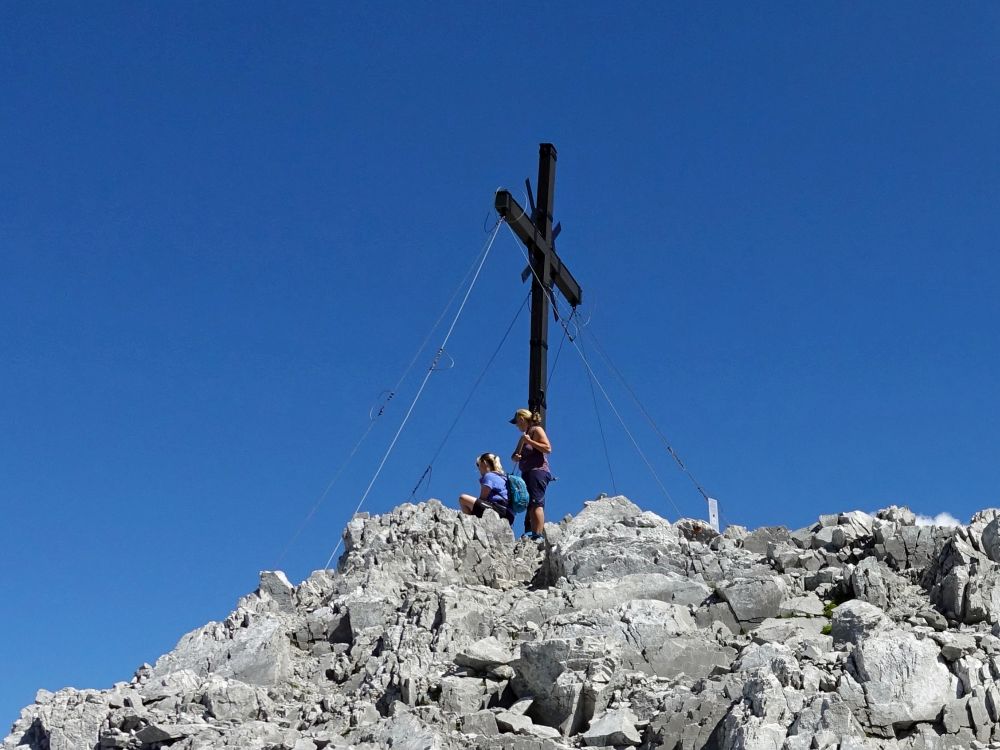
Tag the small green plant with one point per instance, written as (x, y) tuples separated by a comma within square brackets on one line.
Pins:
[(837, 597), (826, 629)]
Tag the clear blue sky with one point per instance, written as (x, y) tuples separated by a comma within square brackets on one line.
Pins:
[(225, 229)]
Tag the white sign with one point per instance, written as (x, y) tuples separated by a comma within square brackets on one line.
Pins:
[(713, 513)]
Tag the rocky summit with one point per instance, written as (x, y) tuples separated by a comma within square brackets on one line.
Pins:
[(441, 631)]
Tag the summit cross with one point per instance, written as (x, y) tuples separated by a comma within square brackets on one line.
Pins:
[(546, 268)]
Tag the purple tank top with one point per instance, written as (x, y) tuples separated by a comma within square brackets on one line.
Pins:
[(532, 458)]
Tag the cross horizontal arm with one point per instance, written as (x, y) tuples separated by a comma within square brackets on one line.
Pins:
[(511, 211)]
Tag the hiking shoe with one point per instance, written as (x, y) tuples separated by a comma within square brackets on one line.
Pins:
[(535, 536)]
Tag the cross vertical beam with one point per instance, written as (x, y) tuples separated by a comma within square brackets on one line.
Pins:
[(546, 267), (539, 344)]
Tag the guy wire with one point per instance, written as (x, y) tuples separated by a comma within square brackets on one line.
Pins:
[(597, 380), (380, 412), (430, 371), (469, 398)]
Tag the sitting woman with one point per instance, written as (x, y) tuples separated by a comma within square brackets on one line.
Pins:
[(492, 490)]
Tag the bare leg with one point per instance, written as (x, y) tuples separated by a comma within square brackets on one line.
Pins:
[(465, 503), (537, 519)]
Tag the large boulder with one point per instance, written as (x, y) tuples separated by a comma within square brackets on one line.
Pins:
[(429, 542), (824, 715), (612, 538), (855, 620), (910, 550), (228, 700), (666, 587), (904, 678), (753, 600), (759, 721), (462, 695), (990, 540), (615, 727), (690, 655), (258, 654), (964, 581), (788, 629), (868, 582), (67, 720), (554, 671), (485, 654), (858, 526), (759, 541)]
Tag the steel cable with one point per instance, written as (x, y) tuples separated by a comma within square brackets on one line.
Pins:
[(423, 384), (604, 392), (373, 416), (468, 398)]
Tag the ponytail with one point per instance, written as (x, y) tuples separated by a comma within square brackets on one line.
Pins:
[(492, 462)]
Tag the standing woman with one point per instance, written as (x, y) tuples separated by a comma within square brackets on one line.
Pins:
[(532, 456)]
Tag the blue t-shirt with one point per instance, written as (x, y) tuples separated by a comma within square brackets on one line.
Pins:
[(497, 485), (498, 493)]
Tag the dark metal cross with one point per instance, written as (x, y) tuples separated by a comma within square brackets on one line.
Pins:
[(546, 268)]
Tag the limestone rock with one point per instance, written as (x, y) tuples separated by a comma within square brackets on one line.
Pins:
[(484, 654), (275, 587), (759, 540), (695, 657), (67, 720), (480, 722), (806, 605), (666, 587), (440, 631), (900, 515), (788, 629), (615, 727), (234, 700), (855, 620), (753, 600), (554, 672), (903, 678), (511, 722), (990, 540), (868, 583), (257, 655), (964, 582), (462, 695), (612, 538), (696, 530)]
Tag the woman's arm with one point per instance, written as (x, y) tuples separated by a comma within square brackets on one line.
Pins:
[(536, 437), (484, 491), (516, 455)]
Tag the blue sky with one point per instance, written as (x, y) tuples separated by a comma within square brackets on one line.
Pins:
[(226, 228)]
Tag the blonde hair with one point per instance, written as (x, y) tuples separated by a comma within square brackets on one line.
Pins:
[(533, 417), (492, 462)]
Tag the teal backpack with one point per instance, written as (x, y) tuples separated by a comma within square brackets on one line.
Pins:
[(517, 493)]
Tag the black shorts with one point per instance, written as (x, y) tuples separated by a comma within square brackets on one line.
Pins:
[(537, 480), (481, 506)]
